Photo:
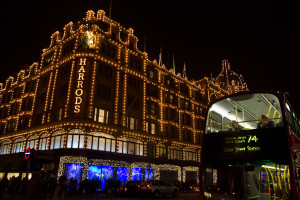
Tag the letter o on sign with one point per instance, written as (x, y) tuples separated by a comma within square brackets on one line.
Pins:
[(27, 153), (79, 92)]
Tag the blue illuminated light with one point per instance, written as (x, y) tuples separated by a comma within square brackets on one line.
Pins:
[(122, 173), (74, 171), (136, 174), (148, 174), (102, 173)]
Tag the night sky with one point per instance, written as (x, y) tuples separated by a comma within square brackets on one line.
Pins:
[(261, 41)]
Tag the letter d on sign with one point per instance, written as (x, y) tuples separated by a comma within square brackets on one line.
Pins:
[(78, 100)]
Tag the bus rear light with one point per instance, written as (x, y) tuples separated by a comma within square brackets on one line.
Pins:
[(148, 187)]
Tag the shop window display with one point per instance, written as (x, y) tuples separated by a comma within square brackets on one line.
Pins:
[(102, 173), (148, 174), (136, 174), (74, 171), (122, 173)]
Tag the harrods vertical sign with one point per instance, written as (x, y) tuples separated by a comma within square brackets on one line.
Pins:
[(81, 87)]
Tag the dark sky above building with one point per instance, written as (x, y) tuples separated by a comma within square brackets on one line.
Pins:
[(261, 41)]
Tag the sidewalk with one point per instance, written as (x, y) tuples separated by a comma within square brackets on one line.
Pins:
[(67, 197), (98, 195)]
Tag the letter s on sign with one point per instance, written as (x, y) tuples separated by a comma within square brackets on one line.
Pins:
[(77, 109)]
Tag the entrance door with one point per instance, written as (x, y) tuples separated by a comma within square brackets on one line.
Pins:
[(169, 176)]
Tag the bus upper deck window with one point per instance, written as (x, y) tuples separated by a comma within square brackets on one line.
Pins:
[(244, 112)]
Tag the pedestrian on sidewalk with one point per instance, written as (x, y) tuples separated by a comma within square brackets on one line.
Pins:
[(59, 193)]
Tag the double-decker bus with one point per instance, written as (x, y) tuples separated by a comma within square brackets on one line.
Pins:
[(251, 148)]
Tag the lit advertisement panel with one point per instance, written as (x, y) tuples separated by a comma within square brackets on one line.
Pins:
[(148, 174), (122, 173), (136, 174)]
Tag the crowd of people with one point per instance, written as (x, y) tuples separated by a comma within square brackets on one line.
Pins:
[(38, 187), (43, 185)]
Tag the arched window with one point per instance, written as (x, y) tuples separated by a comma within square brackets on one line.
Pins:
[(131, 146), (75, 139), (175, 153), (101, 141), (57, 139), (31, 142), (162, 151), (151, 149), (4, 147), (191, 154), (18, 145), (43, 141)]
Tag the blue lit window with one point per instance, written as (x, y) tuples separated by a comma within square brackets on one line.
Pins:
[(74, 171), (102, 173), (148, 174), (122, 173), (136, 174)]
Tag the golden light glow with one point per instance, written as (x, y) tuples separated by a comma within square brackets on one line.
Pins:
[(126, 46)]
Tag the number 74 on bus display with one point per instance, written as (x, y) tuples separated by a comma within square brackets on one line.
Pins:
[(252, 138)]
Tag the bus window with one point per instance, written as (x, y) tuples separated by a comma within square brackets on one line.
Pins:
[(297, 168), (263, 180), (293, 120), (247, 110), (215, 119)]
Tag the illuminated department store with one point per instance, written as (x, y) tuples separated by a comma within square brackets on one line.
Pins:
[(95, 106)]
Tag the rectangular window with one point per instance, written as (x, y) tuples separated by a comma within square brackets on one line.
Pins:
[(130, 148), (48, 59), (103, 91), (62, 90), (95, 143), (151, 74), (132, 123), (133, 102), (60, 112), (68, 47), (152, 109), (101, 115), (105, 71), (152, 128)]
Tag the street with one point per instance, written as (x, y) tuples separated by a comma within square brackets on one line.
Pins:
[(181, 196)]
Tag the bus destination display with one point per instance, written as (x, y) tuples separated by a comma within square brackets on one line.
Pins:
[(242, 143)]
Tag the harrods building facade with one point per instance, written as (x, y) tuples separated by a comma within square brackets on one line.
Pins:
[(96, 107)]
